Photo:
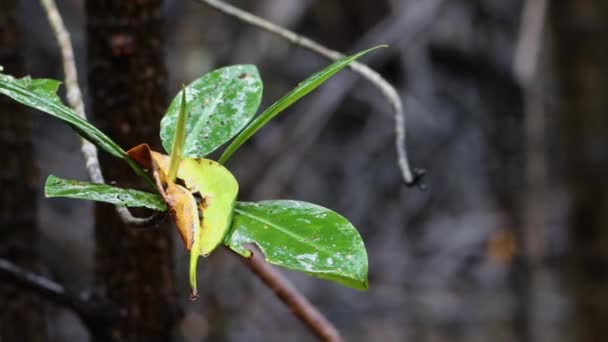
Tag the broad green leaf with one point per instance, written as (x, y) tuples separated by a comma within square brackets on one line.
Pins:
[(303, 237), (58, 187), (219, 105), (41, 94), (301, 90)]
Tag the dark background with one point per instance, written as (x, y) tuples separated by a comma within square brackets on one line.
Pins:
[(490, 252)]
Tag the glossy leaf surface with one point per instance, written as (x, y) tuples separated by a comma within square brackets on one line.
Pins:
[(58, 187), (303, 237), (219, 105), (305, 87), (41, 94)]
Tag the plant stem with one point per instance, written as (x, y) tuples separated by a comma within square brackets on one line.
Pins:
[(295, 301)]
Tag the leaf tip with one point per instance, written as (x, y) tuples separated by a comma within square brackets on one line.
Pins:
[(51, 181), (194, 295), (382, 46)]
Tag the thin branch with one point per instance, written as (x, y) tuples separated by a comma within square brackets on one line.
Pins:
[(74, 96), (525, 69), (93, 314), (389, 92), (529, 43), (295, 301), (399, 29)]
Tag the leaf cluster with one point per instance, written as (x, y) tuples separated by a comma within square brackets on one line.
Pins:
[(213, 110)]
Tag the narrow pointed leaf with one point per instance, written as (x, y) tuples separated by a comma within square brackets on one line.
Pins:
[(178, 140), (58, 187), (301, 90), (41, 94), (219, 105), (303, 237)]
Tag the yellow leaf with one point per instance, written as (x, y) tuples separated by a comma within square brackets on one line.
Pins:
[(200, 201)]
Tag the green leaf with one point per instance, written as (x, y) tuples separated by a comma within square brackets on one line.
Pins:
[(305, 87), (219, 105), (303, 237), (41, 94), (178, 141), (58, 187)]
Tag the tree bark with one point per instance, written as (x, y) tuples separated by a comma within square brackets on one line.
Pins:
[(21, 314), (127, 79), (580, 28)]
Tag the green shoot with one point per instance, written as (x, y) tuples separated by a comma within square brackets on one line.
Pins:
[(178, 141)]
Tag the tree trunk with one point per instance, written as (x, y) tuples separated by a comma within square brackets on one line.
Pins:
[(127, 78), (21, 314), (580, 28)]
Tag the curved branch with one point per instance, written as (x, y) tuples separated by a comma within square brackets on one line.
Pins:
[(388, 91), (74, 96)]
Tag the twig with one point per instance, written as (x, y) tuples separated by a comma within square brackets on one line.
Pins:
[(74, 96), (389, 92), (398, 29), (93, 314), (294, 300), (525, 67), (529, 45)]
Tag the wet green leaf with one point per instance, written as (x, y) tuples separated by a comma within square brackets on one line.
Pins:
[(219, 105), (41, 94), (58, 187), (305, 87), (303, 237)]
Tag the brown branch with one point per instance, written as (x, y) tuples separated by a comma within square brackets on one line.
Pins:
[(288, 294), (74, 95)]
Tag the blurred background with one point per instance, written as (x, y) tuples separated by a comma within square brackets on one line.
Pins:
[(508, 243)]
